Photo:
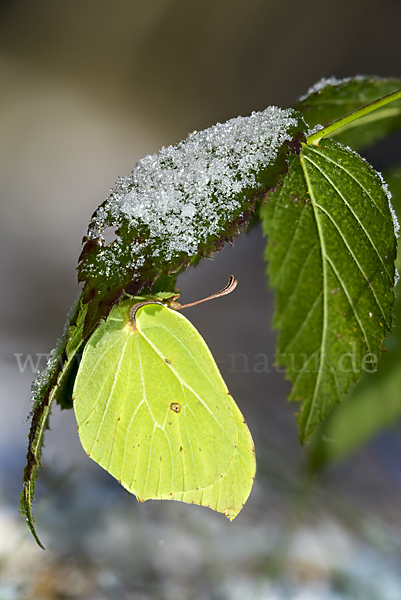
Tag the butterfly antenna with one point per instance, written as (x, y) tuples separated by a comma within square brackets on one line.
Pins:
[(230, 287)]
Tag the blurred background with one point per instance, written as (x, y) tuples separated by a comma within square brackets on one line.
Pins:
[(87, 89)]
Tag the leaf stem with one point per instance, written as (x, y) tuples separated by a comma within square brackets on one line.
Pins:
[(356, 114)]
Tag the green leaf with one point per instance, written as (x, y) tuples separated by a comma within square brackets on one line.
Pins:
[(331, 99), (70, 360), (182, 204), (331, 252), (375, 403), (54, 382), (153, 410)]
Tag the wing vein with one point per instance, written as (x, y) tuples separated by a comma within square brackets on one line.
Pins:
[(180, 379), (100, 358), (111, 392)]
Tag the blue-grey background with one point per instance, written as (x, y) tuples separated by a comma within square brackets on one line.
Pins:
[(87, 88)]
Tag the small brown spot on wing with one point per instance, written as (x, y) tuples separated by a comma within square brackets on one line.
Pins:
[(167, 361), (175, 407)]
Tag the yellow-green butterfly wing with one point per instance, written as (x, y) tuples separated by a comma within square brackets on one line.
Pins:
[(153, 410)]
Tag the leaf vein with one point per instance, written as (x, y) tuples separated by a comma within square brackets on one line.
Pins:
[(302, 325), (340, 280), (350, 209), (355, 260), (277, 275), (299, 278), (357, 181)]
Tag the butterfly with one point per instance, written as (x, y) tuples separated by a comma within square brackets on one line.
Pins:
[(153, 410)]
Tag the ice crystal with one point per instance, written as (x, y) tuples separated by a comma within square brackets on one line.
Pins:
[(54, 361), (315, 129), (385, 189), (333, 81), (393, 213), (43, 378), (178, 199)]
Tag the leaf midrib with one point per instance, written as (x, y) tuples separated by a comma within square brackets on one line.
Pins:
[(324, 278)]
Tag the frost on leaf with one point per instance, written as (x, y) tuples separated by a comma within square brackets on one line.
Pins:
[(323, 83), (183, 203), (392, 211), (51, 383)]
